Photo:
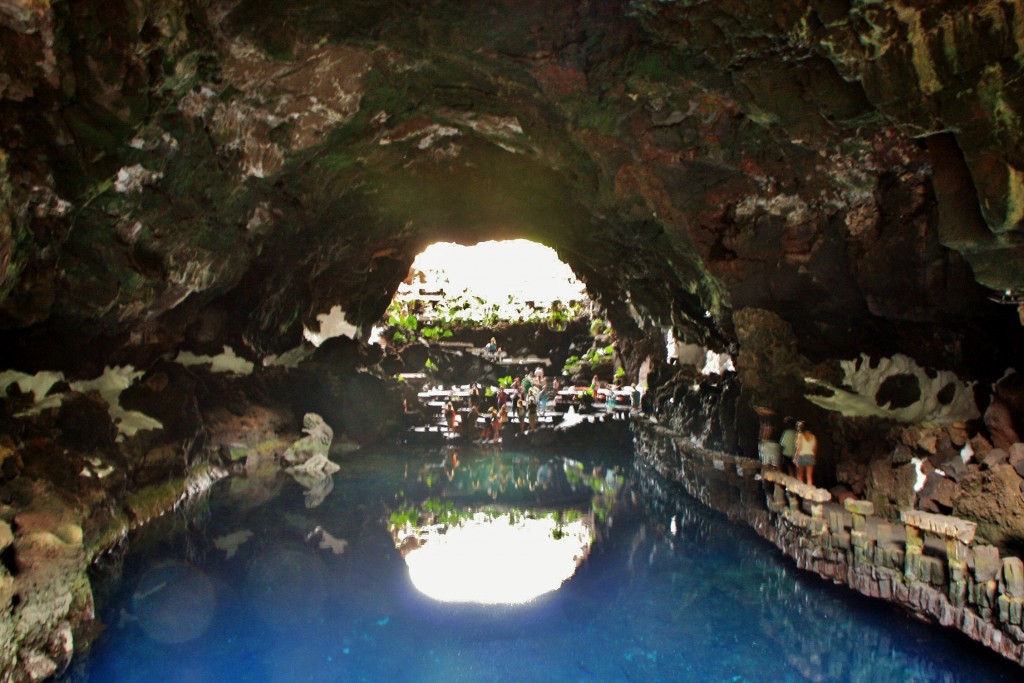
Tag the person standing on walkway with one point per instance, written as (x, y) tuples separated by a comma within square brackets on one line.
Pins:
[(787, 442), (806, 453), (449, 415)]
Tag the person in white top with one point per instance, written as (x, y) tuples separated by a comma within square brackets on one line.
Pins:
[(806, 453)]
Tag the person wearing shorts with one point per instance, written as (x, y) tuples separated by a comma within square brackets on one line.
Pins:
[(806, 453)]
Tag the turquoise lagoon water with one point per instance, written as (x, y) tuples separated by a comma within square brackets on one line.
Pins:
[(269, 580)]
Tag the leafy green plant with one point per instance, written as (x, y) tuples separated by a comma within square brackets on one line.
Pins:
[(505, 382), (620, 372), (436, 332), (595, 356), (558, 319), (429, 365), (409, 322), (598, 354), (572, 364)]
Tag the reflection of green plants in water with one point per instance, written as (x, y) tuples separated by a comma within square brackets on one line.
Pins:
[(604, 487), (404, 516), (431, 511), (444, 511), (573, 472), (516, 473), (561, 519)]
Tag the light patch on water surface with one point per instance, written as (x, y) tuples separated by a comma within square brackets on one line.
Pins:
[(174, 603), (230, 543), (495, 560)]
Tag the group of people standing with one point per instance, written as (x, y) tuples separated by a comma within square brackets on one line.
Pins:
[(796, 450), (526, 397)]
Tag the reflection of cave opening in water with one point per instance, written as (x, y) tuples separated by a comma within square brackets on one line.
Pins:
[(505, 559)]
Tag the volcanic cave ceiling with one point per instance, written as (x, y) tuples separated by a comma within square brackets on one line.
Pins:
[(221, 172)]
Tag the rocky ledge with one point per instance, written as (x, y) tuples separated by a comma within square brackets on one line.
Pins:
[(931, 564)]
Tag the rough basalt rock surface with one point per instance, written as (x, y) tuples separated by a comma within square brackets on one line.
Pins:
[(270, 161), (793, 182)]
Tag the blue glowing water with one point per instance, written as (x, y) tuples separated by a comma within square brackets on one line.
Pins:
[(669, 592)]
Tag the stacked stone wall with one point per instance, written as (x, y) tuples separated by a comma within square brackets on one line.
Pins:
[(928, 563)]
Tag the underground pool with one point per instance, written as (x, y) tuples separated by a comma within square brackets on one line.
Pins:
[(387, 572)]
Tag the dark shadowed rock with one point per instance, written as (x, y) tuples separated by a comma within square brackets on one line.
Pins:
[(997, 456), (1000, 424), (84, 423)]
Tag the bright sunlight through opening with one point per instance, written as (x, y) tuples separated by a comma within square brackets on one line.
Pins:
[(507, 273)]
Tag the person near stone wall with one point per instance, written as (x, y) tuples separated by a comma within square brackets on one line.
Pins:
[(449, 415), (806, 453), (787, 443), (767, 447), (499, 420), (469, 425)]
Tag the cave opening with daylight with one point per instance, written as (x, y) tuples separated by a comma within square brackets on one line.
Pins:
[(211, 305), (481, 286)]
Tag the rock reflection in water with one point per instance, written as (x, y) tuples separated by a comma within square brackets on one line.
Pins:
[(814, 630), (502, 552)]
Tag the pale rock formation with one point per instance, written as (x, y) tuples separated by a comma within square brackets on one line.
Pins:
[(864, 379)]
